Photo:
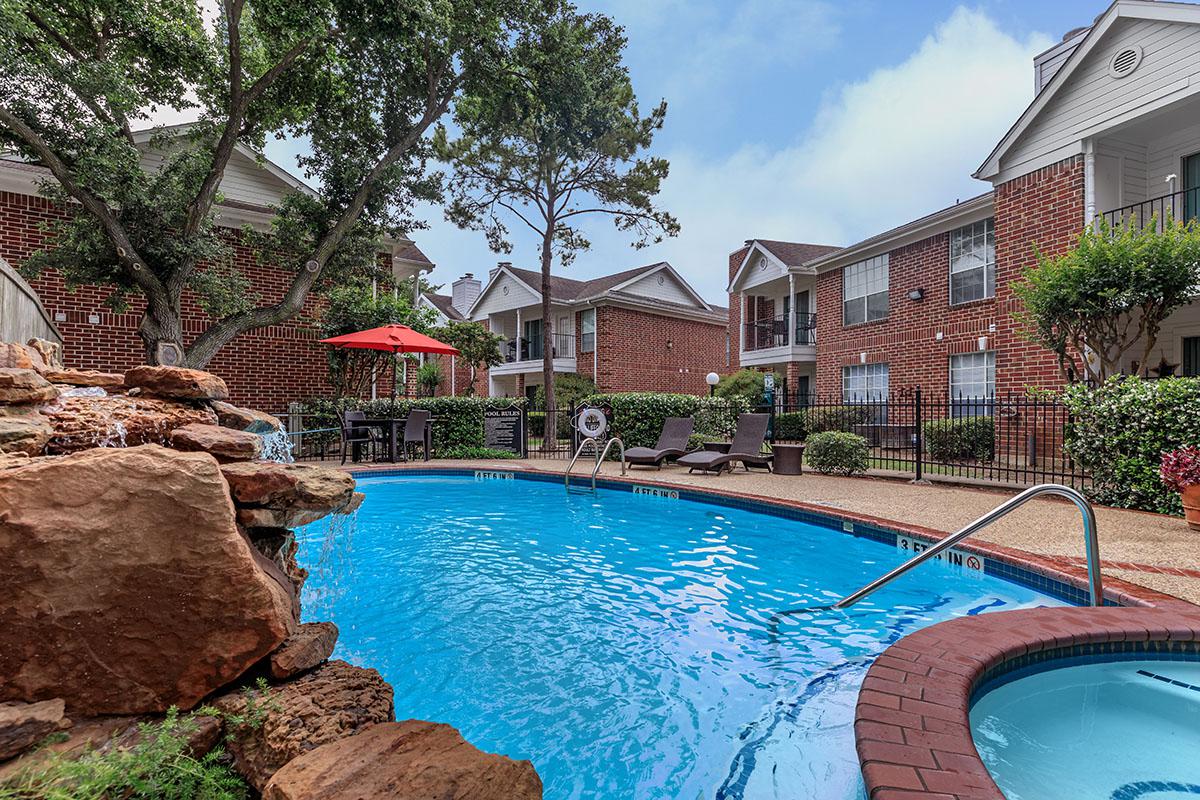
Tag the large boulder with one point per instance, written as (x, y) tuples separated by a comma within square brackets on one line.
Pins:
[(23, 725), (24, 386), (331, 702), (51, 352), (24, 433), (20, 356), (308, 647), (245, 419), (81, 423), (109, 381), (410, 759), (177, 383), (128, 587), (287, 495), (224, 443)]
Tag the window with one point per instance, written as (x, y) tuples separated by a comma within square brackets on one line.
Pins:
[(864, 382), (587, 330), (972, 383), (973, 262), (865, 290)]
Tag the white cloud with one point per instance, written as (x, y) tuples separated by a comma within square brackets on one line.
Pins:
[(899, 144)]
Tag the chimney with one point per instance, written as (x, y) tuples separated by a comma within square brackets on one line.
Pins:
[(496, 269), (464, 292)]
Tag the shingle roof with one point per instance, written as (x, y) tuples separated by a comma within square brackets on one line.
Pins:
[(445, 304), (571, 289), (795, 254), (410, 252)]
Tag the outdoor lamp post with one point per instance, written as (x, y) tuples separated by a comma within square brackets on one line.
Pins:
[(712, 379)]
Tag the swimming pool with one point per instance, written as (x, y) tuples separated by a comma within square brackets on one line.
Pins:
[(1111, 730), (625, 643)]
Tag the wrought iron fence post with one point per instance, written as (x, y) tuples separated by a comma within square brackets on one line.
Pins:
[(918, 437)]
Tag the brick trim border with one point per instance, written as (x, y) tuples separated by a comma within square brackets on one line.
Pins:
[(1061, 571), (912, 725)]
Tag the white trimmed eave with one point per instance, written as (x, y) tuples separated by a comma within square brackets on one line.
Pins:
[(649, 306), (491, 285), (947, 219), (662, 266), (1159, 10), (739, 282)]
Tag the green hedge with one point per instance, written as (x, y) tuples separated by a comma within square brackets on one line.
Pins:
[(791, 426), (459, 419), (837, 452), (638, 416), (1119, 431), (796, 426), (960, 439)]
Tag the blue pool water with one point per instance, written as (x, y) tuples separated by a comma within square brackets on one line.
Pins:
[(1117, 730), (623, 643)]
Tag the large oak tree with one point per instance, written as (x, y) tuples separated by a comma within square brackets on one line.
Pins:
[(362, 81)]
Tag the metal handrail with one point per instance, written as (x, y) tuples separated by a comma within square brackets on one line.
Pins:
[(578, 452), (1092, 543), (604, 455)]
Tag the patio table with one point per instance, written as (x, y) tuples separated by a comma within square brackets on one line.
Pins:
[(389, 425), (789, 458)]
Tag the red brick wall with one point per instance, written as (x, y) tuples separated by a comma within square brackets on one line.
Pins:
[(648, 352), (735, 315), (265, 368), (1042, 209)]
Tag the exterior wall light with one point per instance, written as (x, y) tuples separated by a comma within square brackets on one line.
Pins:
[(916, 294), (983, 343)]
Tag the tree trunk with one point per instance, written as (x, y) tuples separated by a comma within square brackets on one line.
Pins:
[(162, 322), (548, 441)]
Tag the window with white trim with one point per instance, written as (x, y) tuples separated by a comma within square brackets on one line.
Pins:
[(864, 382), (973, 262), (587, 330), (865, 291), (972, 383)]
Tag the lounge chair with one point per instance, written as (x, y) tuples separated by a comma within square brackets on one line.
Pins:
[(746, 448), (672, 443)]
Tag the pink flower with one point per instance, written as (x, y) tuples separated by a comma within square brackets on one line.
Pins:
[(1180, 468)]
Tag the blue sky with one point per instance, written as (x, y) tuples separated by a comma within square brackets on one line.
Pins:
[(802, 120)]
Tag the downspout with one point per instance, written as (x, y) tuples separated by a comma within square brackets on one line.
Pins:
[(374, 367)]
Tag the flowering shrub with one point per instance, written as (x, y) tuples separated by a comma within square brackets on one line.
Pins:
[(1119, 431), (1180, 468)]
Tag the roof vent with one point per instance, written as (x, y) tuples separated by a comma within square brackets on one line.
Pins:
[(1125, 61)]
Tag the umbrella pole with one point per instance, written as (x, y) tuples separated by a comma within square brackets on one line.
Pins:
[(393, 382)]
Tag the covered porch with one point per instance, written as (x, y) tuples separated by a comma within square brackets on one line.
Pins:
[(779, 322)]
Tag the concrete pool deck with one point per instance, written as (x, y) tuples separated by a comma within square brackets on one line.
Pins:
[(1151, 550)]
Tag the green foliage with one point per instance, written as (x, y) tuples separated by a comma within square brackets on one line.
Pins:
[(1119, 430), (638, 416), (158, 766), (960, 439), (429, 377), (478, 347), (791, 426), (836, 418), (481, 453), (746, 384), (361, 83), (1109, 295), (355, 307), (459, 419), (837, 453), (570, 389)]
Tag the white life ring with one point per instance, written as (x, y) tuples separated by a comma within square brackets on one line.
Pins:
[(592, 423)]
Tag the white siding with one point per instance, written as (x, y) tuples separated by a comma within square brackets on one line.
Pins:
[(244, 180), (1165, 156), (1047, 64), (1132, 158), (670, 290), (1182, 323), (496, 300), (1171, 58)]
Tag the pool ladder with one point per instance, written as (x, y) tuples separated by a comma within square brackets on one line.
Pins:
[(1091, 543), (595, 443)]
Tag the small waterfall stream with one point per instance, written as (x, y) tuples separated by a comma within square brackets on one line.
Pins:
[(277, 446)]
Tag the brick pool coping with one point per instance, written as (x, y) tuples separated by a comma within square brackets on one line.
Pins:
[(912, 727)]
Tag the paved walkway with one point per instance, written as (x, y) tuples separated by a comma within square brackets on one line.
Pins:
[(1151, 550)]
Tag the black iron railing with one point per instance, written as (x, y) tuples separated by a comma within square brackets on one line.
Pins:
[(763, 334), (514, 350), (1182, 206)]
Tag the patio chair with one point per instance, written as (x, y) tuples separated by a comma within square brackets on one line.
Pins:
[(745, 449), (414, 432), (672, 443), (355, 434)]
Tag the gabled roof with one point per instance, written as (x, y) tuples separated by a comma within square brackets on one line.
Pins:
[(408, 251), (1129, 9), (784, 255), (445, 304)]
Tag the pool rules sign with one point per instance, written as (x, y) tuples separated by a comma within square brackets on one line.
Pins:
[(504, 429), (971, 562)]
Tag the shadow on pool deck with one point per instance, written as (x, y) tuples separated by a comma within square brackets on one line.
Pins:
[(1151, 550)]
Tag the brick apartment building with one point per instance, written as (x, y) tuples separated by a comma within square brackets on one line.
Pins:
[(643, 329), (265, 368), (1113, 131)]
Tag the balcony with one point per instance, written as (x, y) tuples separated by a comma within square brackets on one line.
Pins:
[(514, 351), (768, 334), (1181, 206)]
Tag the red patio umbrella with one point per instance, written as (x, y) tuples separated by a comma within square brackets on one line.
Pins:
[(391, 339)]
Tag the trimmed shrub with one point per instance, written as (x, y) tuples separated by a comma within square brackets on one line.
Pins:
[(1119, 431), (791, 426), (837, 453), (462, 451), (638, 416), (459, 419), (745, 384), (835, 418), (960, 439)]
